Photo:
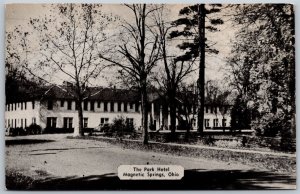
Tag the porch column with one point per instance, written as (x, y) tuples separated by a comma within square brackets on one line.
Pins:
[(152, 110), (160, 116), (169, 118)]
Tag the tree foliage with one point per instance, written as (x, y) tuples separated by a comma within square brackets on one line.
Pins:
[(196, 45), (67, 46), (139, 48), (174, 70), (265, 60)]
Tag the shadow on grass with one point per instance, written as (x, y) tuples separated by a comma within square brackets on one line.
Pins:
[(193, 180), (65, 149), (26, 141), (44, 153)]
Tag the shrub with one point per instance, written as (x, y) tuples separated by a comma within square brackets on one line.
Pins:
[(34, 129), (119, 127), (17, 131), (208, 140)]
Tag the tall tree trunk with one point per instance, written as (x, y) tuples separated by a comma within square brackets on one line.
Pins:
[(144, 112), (201, 81), (172, 104), (79, 130), (292, 82)]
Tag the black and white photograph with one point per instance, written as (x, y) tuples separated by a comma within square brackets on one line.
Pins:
[(150, 96)]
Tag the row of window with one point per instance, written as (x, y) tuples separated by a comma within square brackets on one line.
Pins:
[(214, 109), (98, 103), (215, 123), (68, 122), (207, 121), (15, 122), (19, 105)]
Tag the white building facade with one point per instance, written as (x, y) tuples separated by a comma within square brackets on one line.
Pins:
[(57, 109)]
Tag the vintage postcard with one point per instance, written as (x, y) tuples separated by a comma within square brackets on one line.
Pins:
[(150, 97)]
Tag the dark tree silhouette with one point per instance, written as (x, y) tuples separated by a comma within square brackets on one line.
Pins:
[(196, 45)]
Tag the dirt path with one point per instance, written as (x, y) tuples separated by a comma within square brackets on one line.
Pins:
[(55, 158)]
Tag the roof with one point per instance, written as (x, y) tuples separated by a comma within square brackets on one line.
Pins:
[(64, 92), (92, 93)]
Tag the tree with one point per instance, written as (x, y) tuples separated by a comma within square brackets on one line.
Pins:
[(239, 67), (68, 47), (218, 96), (18, 84), (267, 39), (188, 99), (196, 44), (176, 69), (140, 50)]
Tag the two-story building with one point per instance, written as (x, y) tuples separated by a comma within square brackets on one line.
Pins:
[(55, 107)]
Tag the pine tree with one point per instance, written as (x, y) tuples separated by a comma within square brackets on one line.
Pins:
[(195, 44)]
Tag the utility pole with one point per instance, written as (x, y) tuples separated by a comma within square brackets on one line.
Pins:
[(201, 80)]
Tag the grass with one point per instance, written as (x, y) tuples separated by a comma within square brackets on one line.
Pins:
[(18, 181), (259, 160)]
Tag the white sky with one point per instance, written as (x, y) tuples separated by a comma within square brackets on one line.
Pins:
[(19, 15)]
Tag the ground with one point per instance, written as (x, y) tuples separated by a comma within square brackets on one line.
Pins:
[(55, 162)]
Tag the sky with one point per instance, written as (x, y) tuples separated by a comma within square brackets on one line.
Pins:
[(20, 14)]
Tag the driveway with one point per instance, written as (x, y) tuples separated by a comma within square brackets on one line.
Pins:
[(60, 163)]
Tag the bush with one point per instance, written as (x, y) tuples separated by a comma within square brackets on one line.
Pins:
[(50, 130), (34, 129), (17, 131), (119, 127), (208, 140)]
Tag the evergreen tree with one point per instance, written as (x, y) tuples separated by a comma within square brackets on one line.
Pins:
[(195, 44)]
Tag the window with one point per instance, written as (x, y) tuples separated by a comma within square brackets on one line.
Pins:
[(15, 106), (104, 120), (216, 122), (99, 104), (69, 105), (15, 123), (224, 122), (112, 107), (125, 107), (211, 109), (85, 105), (62, 103), (33, 120), (131, 105), (85, 122), (32, 104), (50, 105), (25, 105), (21, 123), (92, 106), (207, 107), (189, 109), (129, 121), (21, 105), (51, 122), (136, 107), (68, 122), (206, 122), (193, 121), (194, 108), (105, 106), (76, 105), (119, 106)]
